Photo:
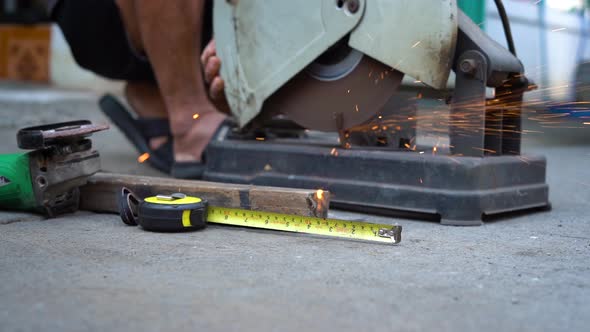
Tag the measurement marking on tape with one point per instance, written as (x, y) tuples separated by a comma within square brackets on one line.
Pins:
[(310, 225)]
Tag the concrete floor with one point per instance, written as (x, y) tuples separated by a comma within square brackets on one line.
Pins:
[(90, 272)]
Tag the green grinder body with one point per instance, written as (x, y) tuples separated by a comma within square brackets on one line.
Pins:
[(16, 188)]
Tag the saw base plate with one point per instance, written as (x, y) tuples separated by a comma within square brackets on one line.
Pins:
[(455, 191)]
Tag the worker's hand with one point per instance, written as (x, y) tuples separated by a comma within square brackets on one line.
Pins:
[(211, 67)]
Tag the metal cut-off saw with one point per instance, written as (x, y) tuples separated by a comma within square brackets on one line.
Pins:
[(333, 65)]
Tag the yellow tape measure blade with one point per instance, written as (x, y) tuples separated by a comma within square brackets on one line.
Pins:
[(309, 225)]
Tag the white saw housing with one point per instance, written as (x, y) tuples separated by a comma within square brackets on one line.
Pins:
[(263, 44)]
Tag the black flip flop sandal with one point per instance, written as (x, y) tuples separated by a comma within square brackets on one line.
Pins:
[(140, 131)]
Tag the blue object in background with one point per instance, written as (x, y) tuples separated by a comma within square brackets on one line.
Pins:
[(574, 110)]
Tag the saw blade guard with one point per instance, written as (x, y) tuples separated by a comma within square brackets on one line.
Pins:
[(273, 54)]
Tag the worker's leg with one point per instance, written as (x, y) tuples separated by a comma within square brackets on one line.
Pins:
[(99, 43), (169, 33)]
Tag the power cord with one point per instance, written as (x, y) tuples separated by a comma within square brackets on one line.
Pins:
[(506, 26)]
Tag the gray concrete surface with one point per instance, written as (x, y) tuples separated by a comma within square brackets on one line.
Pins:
[(88, 272)]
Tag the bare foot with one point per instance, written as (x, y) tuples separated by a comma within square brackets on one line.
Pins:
[(191, 145)]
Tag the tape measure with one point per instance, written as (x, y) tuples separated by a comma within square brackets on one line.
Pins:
[(179, 212), (163, 213)]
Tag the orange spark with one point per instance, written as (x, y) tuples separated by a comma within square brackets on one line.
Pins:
[(319, 194), (143, 157), (484, 150), (587, 123), (196, 116), (334, 152), (260, 138)]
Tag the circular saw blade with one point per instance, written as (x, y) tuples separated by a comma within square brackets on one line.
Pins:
[(342, 99)]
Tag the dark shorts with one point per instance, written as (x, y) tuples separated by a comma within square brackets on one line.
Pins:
[(98, 40)]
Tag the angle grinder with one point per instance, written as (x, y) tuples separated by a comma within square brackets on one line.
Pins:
[(47, 178)]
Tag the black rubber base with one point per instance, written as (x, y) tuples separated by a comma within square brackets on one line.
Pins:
[(456, 190)]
